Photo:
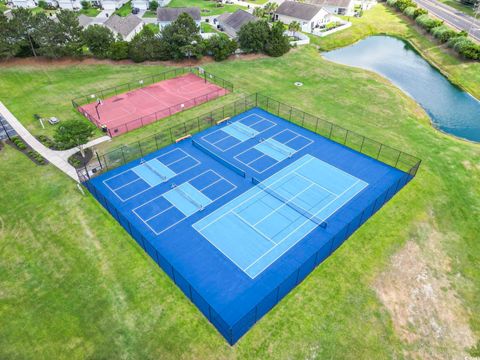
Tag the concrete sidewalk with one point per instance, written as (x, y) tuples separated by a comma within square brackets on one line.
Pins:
[(56, 158)]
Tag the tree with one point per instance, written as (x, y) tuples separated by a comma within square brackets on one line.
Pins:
[(62, 37), (145, 46), (74, 133), (98, 39), (153, 5), (294, 27), (277, 43), (270, 9), (7, 48), (86, 4), (182, 37), (22, 27), (221, 47), (253, 36), (118, 50)]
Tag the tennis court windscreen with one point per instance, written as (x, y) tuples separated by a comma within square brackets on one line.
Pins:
[(288, 202), (219, 159)]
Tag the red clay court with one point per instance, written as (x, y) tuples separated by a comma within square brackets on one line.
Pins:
[(131, 110)]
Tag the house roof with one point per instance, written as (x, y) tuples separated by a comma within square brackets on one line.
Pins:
[(171, 14), (336, 3), (237, 19), (123, 25), (298, 10), (84, 20)]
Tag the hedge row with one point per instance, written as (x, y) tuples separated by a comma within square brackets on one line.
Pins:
[(458, 41)]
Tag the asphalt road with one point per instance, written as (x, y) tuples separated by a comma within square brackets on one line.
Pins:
[(452, 17)]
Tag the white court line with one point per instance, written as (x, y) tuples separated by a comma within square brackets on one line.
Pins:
[(196, 162), (252, 196), (254, 228), (274, 210), (320, 186), (220, 178), (273, 124), (295, 230), (310, 141)]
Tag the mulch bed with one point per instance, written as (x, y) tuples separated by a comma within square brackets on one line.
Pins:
[(77, 161)]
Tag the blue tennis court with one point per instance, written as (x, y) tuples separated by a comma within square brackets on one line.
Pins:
[(239, 214)]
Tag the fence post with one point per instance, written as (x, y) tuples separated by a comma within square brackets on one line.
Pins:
[(346, 136), (98, 159), (398, 158), (123, 156), (379, 150)]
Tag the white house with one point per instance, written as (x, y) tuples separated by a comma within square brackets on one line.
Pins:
[(308, 15), (140, 4), (69, 4), (165, 16), (112, 5), (232, 23), (338, 7), (23, 3), (127, 27)]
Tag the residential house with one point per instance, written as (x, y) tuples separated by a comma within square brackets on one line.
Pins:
[(338, 7), (112, 5), (69, 4), (309, 16), (232, 23), (141, 4), (23, 3), (165, 16), (127, 27)]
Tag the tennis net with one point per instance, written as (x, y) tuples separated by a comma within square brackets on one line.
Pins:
[(305, 213), (277, 148), (188, 197), (219, 159), (241, 129), (155, 171)]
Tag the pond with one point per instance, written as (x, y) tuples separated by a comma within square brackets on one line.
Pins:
[(451, 109)]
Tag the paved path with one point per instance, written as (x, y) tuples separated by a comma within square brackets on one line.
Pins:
[(452, 16), (56, 158)]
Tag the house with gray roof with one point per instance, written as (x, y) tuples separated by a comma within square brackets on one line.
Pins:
[(127, 27), (165, 16), (309, 16), (338, 7), (232, 23)]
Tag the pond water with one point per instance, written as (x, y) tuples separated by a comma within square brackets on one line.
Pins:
[(451, 109)]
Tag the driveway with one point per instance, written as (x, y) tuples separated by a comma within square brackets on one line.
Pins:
[(453, 17)]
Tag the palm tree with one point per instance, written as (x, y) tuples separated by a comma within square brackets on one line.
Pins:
[(294, 27), (270, 8)]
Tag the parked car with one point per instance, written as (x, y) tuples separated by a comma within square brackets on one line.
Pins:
[(53, 120), (135, 11)]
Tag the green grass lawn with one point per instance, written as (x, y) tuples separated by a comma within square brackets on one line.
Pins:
[(3, 6), (92, 12), (150, 14), (207, 28), (73, 284), (125, 10), (207, 7)]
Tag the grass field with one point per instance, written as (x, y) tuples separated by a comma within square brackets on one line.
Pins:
[(73, 284), (150, 14), (92, 12), (125, 9), (207, 7)]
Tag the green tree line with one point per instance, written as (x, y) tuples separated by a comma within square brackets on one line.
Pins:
[(27, 34)]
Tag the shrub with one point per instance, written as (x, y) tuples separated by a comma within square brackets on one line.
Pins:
[(86, 4), (118, 50), (153, 5), (443, 33), (391, 2), (465, 47), (403, 4), (419, 12), (427, 22), (410, 12), (43, 4), (221, 47), (19, 143)]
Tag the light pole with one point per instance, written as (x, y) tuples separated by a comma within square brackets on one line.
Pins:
[(476, 13)]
